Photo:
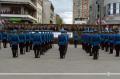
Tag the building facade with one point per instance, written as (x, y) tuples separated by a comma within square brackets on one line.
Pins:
[(80, 11), (39, 11), (20, 11), (97, 11), (48, 12), (105, 12), (112, 11)]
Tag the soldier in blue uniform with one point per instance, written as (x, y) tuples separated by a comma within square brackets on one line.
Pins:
[(102, 44), (76, 38), (27, 35), (37, 44), (22, 43), (43, 43), (83, 41), (111, 43), (63, 43), (4, 39), (117, 44), (106, 42), (95, 46), (31, 42), (52, 39), (0, 39), (14, 41)]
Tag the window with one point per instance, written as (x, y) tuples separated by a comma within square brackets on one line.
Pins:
[(108, 9), (117, 8), (98, 8), (114, 8), (111, 9)]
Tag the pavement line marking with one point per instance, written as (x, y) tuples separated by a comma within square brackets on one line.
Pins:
[(61, 74)]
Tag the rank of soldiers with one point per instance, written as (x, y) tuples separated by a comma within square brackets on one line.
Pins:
[(25, 41), (91, 43)]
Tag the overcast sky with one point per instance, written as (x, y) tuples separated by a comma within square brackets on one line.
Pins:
[(64, 9)]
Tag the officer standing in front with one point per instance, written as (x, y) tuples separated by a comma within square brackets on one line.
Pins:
[(63, 40), (76, 38)]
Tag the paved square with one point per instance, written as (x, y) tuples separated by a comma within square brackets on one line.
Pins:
[(76, 61)]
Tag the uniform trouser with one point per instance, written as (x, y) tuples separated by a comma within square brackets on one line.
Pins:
[(95, 51), (31, 47), (87, 48), (15, 50), (27, 47), (63, 50), (90, 50), (102, 46), (42, 49), (117, 48), (50, 44), (111, 48), (106, 47), (0, 44), (75, 43), (4, 43), (37, 51), (21, 46), (83, 46)]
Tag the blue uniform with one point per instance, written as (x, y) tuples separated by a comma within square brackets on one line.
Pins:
[(76, 38), (4, 39), (117, 44), (27, 36), (14, 41), (22, 43), (63, 40)]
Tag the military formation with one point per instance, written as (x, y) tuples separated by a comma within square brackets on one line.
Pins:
[(40, 41), (92, 43), (25, 41)]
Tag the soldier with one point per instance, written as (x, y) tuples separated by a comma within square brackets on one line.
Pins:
[(22, 43), (37, 44), (27, 35), (43, 43), (102, 44), (117, 44), (106, 42), (4, 39), (76, 38), (90, 45), (111, 43), (0, 39), (83, 41), (95, 46), (63, 43), (52, 39), (14, 41), (31, 42)]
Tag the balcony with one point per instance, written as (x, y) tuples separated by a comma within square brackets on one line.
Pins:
[(30, 3), (18, 12)]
